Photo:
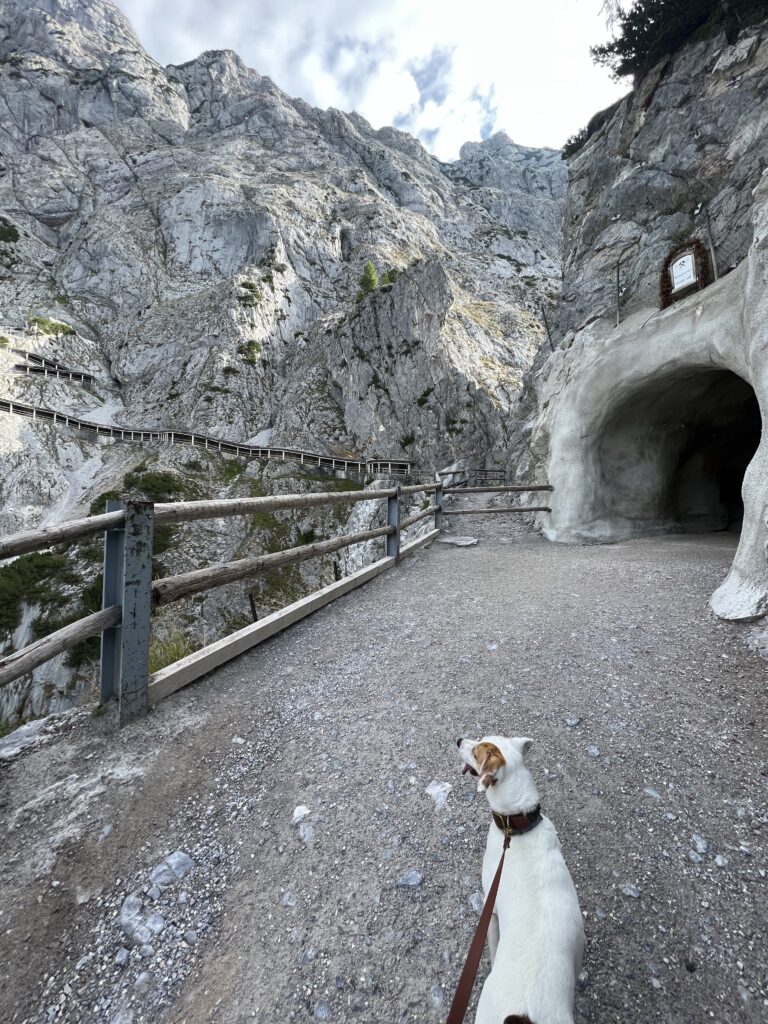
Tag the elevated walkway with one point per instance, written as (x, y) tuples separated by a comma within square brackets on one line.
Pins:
[(358, 467)]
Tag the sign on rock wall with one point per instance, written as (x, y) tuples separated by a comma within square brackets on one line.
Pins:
[(686, 269)]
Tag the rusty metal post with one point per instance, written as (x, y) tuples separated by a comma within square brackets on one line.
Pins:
[(393, 519), (546, 325), (711, 241), (137, 606), (112, 594), (622, 254)]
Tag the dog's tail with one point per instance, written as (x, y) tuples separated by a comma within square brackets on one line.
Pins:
[(515, 1018)]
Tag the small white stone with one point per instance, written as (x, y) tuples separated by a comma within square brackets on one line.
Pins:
[(300, 813)]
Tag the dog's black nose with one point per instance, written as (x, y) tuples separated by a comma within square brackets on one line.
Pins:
[(459, 741)]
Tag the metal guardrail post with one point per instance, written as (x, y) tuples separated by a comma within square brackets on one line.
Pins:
[(137, 607), (393, 519), (128, 582), (112, 593), (439, 509)]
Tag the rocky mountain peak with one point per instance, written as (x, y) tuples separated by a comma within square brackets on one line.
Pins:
[(94, 68), (193, 240)]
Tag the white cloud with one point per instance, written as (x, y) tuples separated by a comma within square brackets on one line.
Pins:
[(446, 70)]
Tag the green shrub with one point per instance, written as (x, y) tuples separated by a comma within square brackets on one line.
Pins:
[(28, 580), (46, 326), (8, 232), (575, 143), (250, 351), (407, 440), (89, 601), (164, 650), (4, 342), (99, 503), (157, 485), (230, 469), (423, 397), (163, 536)]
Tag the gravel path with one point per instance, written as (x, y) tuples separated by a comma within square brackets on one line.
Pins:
[(329, 884)]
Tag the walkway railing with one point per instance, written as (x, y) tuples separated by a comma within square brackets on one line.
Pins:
[(40, 366), (500, 509), (129, 593), (359, 467)]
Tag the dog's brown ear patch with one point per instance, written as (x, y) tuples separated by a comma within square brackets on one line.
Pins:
[(490, 759)]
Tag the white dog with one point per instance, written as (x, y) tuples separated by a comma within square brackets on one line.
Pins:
[(536, 936)]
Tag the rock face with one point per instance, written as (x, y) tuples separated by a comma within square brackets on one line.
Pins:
[(206, 234), (193, 239), (693, 131), (655, 426)]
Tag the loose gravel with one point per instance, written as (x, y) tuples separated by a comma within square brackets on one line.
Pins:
[(291, 839)]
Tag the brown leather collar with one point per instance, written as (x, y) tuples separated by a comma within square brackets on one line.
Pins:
[(518, 824)]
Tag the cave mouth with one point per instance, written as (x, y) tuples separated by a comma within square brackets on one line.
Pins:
[(673, 452)]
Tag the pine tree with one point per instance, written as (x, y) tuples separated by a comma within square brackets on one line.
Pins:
[(369, 280), (651, 29)]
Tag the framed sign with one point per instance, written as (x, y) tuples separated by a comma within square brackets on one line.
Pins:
[(686, 269), (683, 271)]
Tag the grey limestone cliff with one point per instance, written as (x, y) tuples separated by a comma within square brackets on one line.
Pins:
[(193, 239), (655, 425)]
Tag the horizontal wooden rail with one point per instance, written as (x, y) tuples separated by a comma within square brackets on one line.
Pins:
[(418, 489), (483, 511), (173, 588), (33, 540), (168, 680), (188, 511), (517, 488), (179, 512), (21, 662), (417, 516)]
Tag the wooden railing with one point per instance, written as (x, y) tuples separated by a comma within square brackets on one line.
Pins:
[(375, 467), (461, 489), (129, 593), (473, 477)]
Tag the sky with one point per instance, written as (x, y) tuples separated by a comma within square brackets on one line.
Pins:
[(447, 71)]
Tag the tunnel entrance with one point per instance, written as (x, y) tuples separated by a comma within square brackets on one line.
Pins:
[(673, 453)]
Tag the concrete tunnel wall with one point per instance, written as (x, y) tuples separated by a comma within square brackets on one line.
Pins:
[(649, 428), (673, 455)]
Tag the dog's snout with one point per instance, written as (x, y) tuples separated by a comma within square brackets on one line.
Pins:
[(459, 741)]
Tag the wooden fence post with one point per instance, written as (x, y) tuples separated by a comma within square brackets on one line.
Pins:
[(393, 519)]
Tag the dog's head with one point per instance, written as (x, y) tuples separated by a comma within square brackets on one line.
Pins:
[(493, 759)]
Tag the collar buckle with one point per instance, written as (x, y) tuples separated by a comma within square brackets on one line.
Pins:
[(517, 824)]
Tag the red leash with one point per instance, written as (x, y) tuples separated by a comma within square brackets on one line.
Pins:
[(461, 999)]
